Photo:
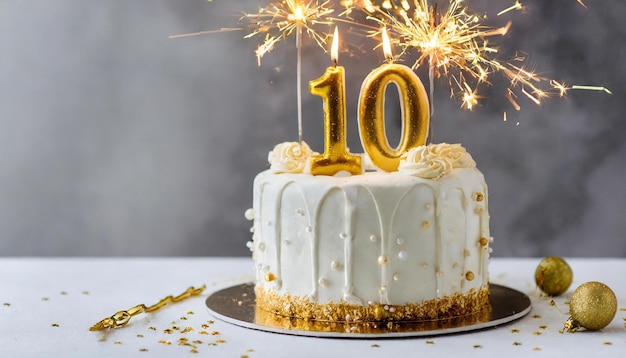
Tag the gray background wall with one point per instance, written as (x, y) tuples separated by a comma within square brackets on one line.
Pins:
[(115, 140)]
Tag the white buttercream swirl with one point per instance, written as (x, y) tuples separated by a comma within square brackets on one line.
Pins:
[(290, 157), (435, 161)]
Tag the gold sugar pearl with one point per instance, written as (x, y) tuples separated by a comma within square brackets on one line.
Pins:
[(469, 276), (479, 196), (269, 277), (483, 241)]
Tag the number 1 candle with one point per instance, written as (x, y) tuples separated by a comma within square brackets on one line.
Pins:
[(414, 108), (331, 87)]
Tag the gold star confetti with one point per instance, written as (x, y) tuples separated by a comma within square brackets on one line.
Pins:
[(515, 330), (164, 342), (375, 345), (55, 325), (430, 342), (517, 343), (117, 342), (477, 346), (143, 349), (7, 304), (140, 336)]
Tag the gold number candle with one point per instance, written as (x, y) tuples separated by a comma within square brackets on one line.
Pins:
[(331, 87), (414, 108)]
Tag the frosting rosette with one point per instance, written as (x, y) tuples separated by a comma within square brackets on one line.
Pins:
[(289, 157), (455, 153), (435, 160), (419, 163)]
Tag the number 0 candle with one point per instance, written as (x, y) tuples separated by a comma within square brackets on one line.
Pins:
[(414, 108), (331, 87)]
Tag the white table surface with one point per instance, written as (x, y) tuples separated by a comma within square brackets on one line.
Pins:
[(48, 304)]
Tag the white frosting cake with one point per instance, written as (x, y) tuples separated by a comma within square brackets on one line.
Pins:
[(406, 245)]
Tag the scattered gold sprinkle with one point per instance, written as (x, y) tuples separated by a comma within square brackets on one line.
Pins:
[(152, 328), (176, 328), (205, 326), (477, 346), (140, 336), (183, 318), (543, 327), (193, 350), (118, 342), (375, 345), (430, 342), (164, 342), (250, 350), (537, 333), (479, 196), (215, 333), (245, 356), (190, 312), (85, 292), (623, 309), (7, 304), (607, 343), (45, 299), (143, 349), (517, 343), (269, 277), (566, 303), (211, 321), (515, 330), (536, 349), (221, 341), (187, 329), (426, 224), (64, 293), (55, 325), (103, 339), (168, 331), (483, 241), (212, 344), (469, 276), (203, 332), (536, 316), (197, 341)]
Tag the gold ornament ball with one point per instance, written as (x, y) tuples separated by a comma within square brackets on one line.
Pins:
[(592, 306), (553, 276)]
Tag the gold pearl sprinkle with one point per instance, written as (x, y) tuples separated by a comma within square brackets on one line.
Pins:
[(469, 276), (269, 277), (483, 241), (383, 260), (479, 196)]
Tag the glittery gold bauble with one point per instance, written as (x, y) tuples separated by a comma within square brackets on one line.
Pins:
[(553, 276), (592, 306)]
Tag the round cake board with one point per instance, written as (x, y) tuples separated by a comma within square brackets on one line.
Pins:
[(236, 305)]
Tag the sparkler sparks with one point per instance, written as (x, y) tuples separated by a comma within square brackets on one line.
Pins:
[(455, 45), (281, 19)]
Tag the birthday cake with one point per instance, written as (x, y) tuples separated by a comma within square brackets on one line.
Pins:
[(406, 245)]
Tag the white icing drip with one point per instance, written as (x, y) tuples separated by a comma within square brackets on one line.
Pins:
[(382, 188)]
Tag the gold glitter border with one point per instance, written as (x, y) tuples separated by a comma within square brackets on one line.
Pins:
[(300, 307)]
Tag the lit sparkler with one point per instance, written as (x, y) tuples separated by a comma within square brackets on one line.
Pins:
[(281, 19), (455, 44)]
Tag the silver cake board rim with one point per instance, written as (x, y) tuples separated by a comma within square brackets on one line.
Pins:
[(236, 305)]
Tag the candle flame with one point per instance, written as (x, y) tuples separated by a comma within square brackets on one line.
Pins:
[(387, 45), (334, 51)]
